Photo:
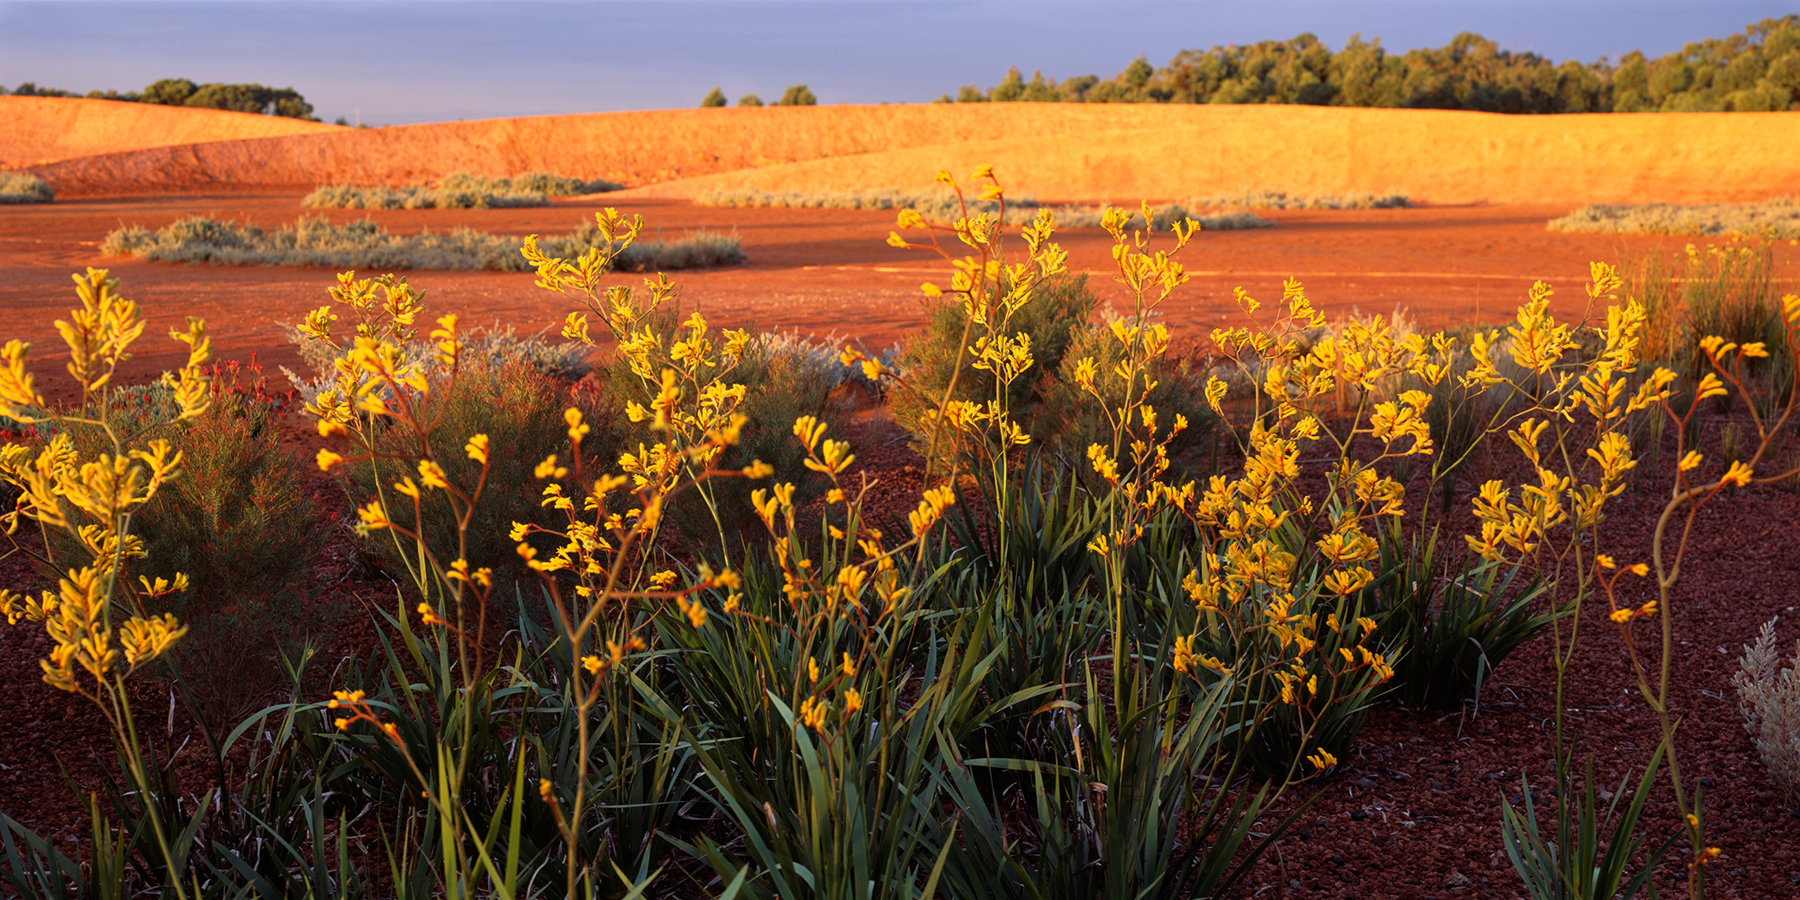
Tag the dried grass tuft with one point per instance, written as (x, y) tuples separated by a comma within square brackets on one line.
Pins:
[(1778, 218), (364, 244), (17, 187)]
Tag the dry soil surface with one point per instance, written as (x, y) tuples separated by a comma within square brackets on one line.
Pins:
[(814, 271)]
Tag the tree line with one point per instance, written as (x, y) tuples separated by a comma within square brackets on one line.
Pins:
[(796, 95), (1758, 70), (250, 98)]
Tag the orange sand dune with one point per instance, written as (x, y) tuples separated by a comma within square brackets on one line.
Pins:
[(1064, 152), (41, 130)]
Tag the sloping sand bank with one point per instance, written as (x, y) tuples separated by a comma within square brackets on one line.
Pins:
[(1066, 152), (40, 130)]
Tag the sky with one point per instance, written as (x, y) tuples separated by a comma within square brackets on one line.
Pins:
[(402, 61)]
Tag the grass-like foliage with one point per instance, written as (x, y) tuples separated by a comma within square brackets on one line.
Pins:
[(458, 191), (944, 207), (17, 187), (1727, 290), (365, 244), (1456, 619), (1778, 218)]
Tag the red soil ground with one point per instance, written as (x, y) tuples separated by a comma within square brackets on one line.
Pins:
[(813, 271)]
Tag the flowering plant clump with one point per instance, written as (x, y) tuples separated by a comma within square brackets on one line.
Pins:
[(98, 619)]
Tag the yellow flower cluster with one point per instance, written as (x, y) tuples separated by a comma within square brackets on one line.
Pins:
[(1563, 385), (990, 291), (94, 499)]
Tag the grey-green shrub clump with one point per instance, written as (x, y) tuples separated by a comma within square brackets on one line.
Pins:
[(364, 244), (942, 206), (17, 187), (1778, 218), (1282, 200), (458, 191), (1769, 698)]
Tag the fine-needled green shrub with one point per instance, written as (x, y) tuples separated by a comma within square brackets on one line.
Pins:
[(520, 409), (1727, 289), (240, 526), (783, 380), (936, 356), (365, 244), (1769, 698), (1073, 419), (17, 187)]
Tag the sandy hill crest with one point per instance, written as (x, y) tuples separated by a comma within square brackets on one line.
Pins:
[(40, 130), (1062, 152)]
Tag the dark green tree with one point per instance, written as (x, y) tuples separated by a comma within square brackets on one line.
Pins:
[(713, 98), (798, 95), (169, 92)]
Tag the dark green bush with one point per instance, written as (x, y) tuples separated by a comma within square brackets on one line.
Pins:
[(797, 95), (1057, 314), (783, 382), (520, 409), (1071, 419), (239, 523)]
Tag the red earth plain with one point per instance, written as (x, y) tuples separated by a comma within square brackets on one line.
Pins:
[(1415, 813)]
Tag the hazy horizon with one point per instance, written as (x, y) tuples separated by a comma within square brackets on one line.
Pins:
[(429, 60)]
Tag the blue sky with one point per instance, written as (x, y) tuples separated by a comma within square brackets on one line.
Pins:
[(401, 61)]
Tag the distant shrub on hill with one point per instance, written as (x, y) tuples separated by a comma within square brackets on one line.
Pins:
[(1756, 70), (458, 191), (1279, 200), (31, 89), (1778, 218), (713, 98), (250, 98), (941, 206), (364, 244), (17, 187)]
